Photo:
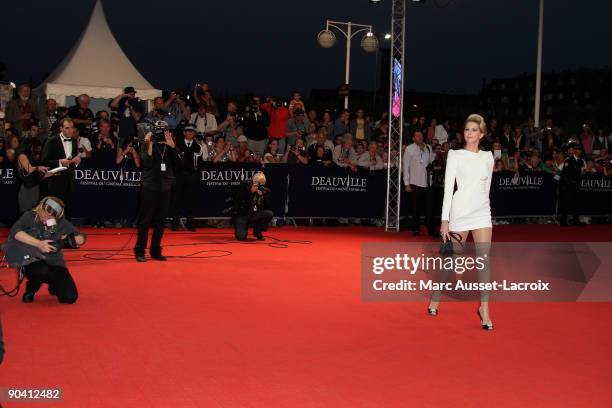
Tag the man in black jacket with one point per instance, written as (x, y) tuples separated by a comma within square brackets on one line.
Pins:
[(571, 176), (186, 191), (61, 150), (250, 206), (256, 121), (158, 161)]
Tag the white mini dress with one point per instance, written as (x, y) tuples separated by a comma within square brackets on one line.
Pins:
[(469, 207)]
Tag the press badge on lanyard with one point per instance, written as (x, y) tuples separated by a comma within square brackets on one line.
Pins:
[(163, 167)]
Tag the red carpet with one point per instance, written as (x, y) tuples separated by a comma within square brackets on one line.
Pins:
[(285, 327)]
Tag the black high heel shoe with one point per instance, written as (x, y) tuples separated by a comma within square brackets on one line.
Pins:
[(485, 326), (432, 312)]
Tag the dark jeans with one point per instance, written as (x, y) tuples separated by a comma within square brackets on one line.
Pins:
[(421, 200), (258, 220), (58, 278), (153, 211), (185, 200)]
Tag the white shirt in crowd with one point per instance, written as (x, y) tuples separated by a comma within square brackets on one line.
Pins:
[(204, 124), (85, 144), (440, 134), (67, 145), (415, 164), (366, 161)]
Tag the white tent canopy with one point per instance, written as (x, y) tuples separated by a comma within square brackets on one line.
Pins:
[(95, 66)]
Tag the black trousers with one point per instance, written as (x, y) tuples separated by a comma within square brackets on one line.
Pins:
[(569, 201), (184, 200), (153, 212), (421, 200), (58, 278), (259, 220)]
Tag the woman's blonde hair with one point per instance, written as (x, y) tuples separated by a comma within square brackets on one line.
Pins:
[(476, 118), (50, 205)]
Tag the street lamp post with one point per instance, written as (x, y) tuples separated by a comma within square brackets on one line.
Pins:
[(538, 90), (327, 39)]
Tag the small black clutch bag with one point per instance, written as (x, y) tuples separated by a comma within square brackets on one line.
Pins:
[(446, 247)]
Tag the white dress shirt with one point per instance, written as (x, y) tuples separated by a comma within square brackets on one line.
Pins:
[(67, 145), (203, 124)]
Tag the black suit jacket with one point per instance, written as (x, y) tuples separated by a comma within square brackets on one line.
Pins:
[(521, 144), (189, 157), (506, 142), (53, 152)]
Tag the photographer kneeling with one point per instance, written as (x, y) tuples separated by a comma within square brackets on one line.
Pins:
[(250, 208), (46, 231)]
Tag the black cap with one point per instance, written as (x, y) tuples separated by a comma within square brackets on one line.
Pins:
[(129, 89)]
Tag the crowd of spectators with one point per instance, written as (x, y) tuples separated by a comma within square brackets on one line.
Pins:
[(273, 130), (266, 132)]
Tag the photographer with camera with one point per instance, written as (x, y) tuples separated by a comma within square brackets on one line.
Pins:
[(159, 112), (256, 121), (296, 154), (105, 141), (298, 127), (42, 233), (185, 195), (176, 106), (159, 157), (129, 111), (231, 128), (250, 208)]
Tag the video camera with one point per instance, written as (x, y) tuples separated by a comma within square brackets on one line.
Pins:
[(157, 128)]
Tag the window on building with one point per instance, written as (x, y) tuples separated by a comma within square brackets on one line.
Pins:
[(548, 97)]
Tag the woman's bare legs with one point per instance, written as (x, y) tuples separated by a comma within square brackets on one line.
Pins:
[(482, 241), (457, 248)]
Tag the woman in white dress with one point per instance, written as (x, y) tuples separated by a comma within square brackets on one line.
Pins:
[(468, 209)]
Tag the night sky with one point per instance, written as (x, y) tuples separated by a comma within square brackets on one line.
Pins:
[(270, 47)]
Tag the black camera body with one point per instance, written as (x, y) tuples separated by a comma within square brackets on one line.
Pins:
[(157, 128)]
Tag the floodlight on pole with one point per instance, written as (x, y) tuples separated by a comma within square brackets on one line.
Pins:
[(326, 39)]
